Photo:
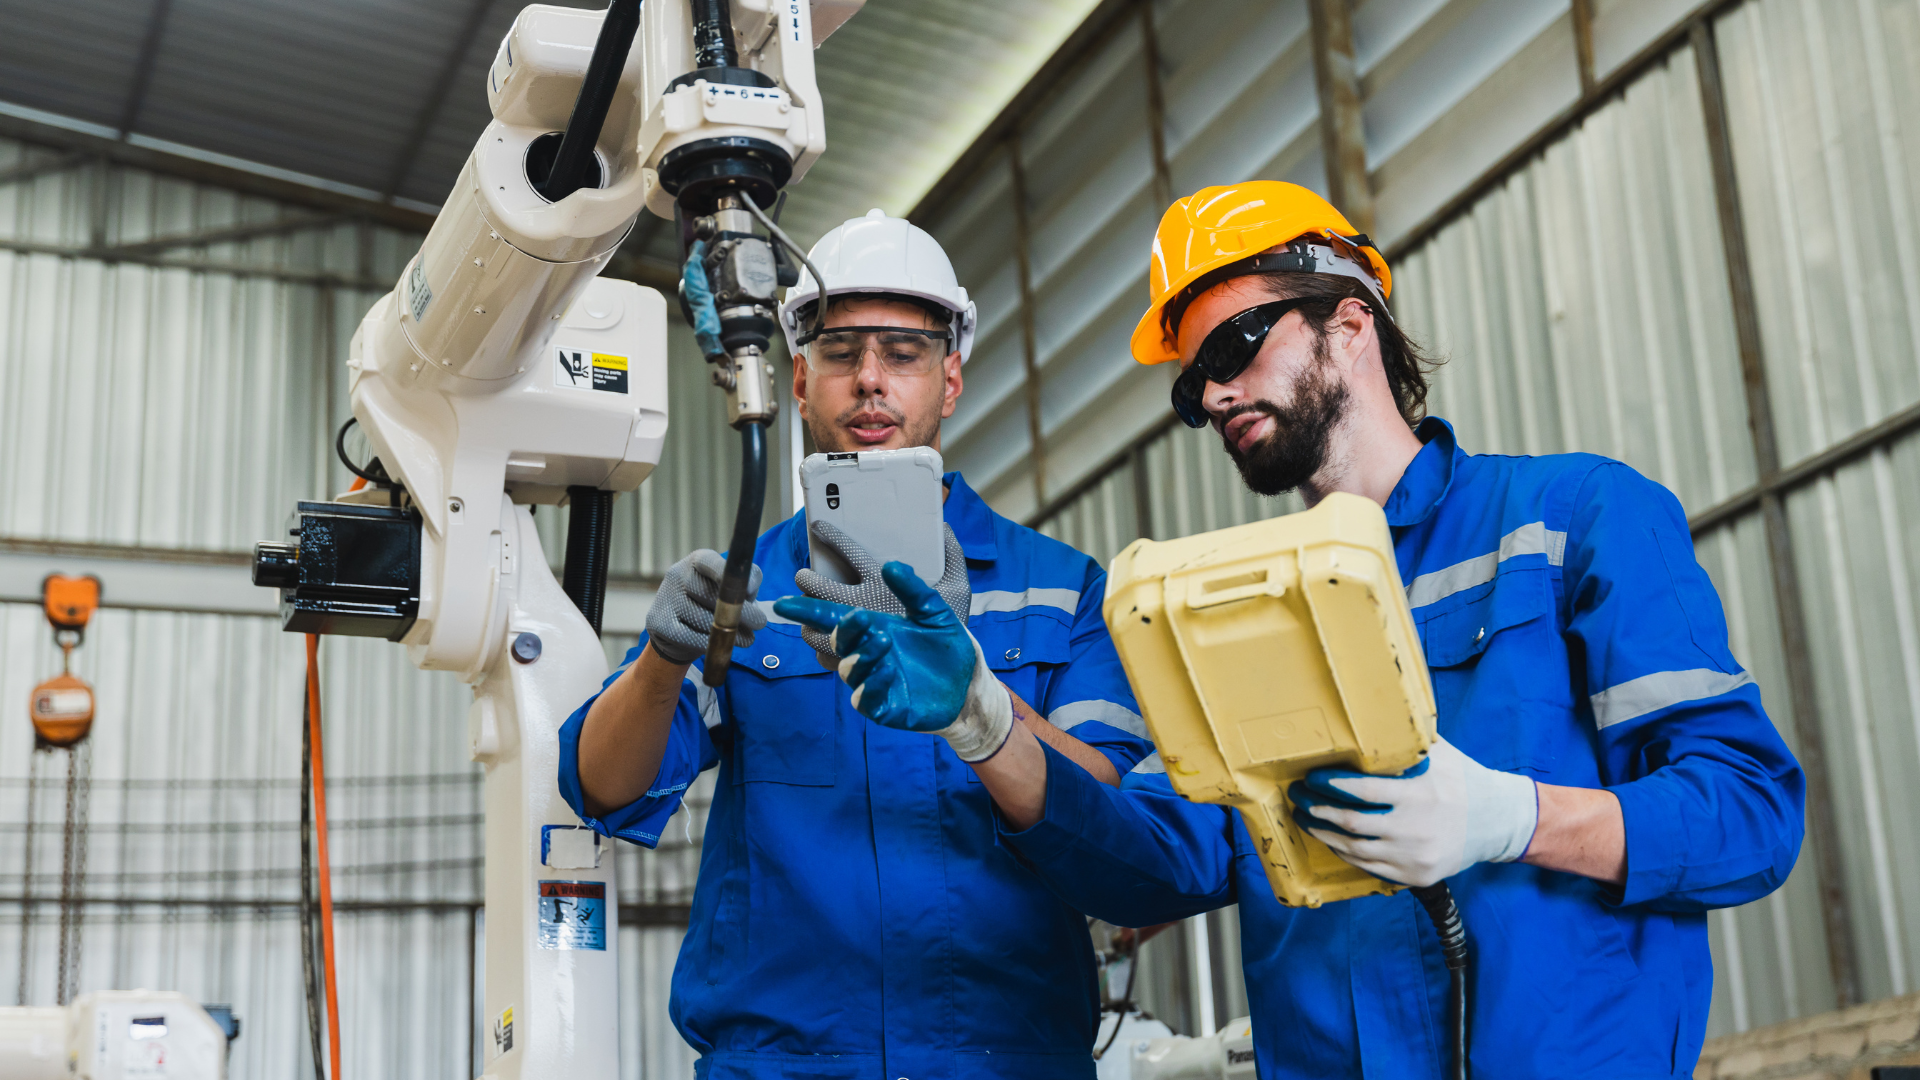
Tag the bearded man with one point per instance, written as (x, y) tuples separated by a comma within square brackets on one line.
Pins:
[(1604, 774)]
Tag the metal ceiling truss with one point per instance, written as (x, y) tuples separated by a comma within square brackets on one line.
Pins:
[(31, 170), (436, 96), (143, 68)]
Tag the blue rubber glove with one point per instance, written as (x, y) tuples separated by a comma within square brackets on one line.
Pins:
[(919, 672), (1427, 824)]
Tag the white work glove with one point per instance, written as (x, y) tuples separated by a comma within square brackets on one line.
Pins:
[(868, 591), (1425, 825)]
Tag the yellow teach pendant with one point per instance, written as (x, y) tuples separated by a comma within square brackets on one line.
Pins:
[(1262, 651)]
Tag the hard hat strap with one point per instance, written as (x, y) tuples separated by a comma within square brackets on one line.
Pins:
[(1298, 256)]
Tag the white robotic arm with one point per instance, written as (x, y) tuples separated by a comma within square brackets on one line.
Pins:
[(501, 372)]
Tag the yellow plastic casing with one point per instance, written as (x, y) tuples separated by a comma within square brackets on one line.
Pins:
[(1262, 651)]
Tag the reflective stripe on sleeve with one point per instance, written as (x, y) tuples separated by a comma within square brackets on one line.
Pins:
[(1663, 689), (1072, 715), (1150, 764), (1532, 539), (706, 699), (1067, 600)]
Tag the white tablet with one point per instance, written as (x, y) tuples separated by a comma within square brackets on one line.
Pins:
[(889, 501)]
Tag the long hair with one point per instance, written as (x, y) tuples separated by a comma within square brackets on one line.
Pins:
[(1406, 364)]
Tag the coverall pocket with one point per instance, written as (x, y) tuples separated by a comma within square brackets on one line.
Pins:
[(1498, 663), (1022, 652), (784, 709)]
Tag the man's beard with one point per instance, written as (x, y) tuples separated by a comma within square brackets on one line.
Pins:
[(1302, 431), (831, 437)]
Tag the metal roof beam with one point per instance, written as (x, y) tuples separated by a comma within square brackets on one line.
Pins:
[(1582, 13), (1343, 137), (1824, 828), (1156, 107), (1029, 338), (143, 69), (277, 273), (430, 107), (33, 169), (126, 154), (225, 234)]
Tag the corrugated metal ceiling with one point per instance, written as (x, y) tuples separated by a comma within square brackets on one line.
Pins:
[(385, 96)]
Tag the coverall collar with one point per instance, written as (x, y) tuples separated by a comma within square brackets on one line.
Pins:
[(1428, 477), (972, 522), (965, 511)]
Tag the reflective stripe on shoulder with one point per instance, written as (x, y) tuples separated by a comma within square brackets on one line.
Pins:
[(1663, 689), (1067, 600), (1150, 764), (1533, 539), (707, 701), (1072, 715)]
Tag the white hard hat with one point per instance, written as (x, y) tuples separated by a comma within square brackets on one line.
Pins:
[(881, 254)]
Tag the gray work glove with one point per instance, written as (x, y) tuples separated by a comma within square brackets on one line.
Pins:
[(868, 591), (682, 611)]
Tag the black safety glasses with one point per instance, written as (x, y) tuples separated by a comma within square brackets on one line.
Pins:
[(1226, 352)]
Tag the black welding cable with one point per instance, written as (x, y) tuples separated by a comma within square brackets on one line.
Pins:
[(573, 163), (713, 34), (1438, 900), (746, 529), (373, 472)]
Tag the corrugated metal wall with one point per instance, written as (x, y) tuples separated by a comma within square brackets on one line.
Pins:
[(174, 407), (1582, 302), (1822, 104), (1451, 87)]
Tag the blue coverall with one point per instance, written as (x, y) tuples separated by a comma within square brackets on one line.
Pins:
[(1572, 638), (854, 916)]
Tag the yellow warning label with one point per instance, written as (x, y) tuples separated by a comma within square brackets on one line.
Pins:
[(582, 370), (610, 373), (503, 1032)]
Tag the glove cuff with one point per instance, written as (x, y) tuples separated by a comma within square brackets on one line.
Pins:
[(986, 719), (1508, 811)]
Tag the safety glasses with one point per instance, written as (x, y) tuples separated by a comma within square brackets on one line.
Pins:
[(841, 350), (1226, 352)]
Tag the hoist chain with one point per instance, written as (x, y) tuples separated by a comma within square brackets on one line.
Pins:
[(73, 869), (26, 874)]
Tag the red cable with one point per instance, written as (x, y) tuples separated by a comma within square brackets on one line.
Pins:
[(320, 832)]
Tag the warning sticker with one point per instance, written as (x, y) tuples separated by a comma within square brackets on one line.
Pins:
[(573, 915), (503, 1032), (418, 294), (585, 370)]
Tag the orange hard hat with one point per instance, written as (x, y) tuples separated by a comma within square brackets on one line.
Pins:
[(1217, 227)]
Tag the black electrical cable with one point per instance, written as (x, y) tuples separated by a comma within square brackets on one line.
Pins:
[(373, 473), (574, 163), (310, 974), (1438, 900), (713, 35), (746, 530), (1126, 998), (589, 540)]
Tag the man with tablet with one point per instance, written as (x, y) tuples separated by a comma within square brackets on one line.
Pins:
[(855, 915)]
